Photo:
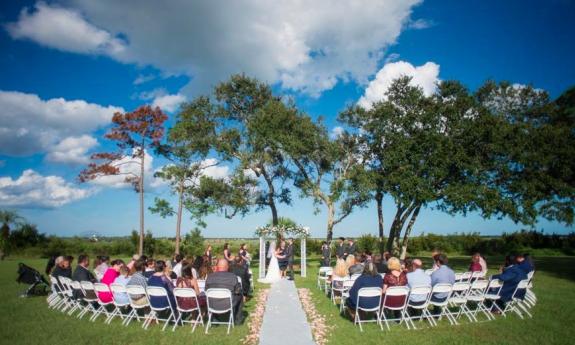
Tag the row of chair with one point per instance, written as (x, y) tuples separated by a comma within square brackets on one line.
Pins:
[(70, 296), (469, 287)]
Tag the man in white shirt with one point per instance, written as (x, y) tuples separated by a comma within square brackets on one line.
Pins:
[(416, 278), (178, 266)]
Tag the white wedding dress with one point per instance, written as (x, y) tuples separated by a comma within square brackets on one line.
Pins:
[(273, 274)]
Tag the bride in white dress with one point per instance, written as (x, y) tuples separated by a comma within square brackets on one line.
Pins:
[(273, 273)]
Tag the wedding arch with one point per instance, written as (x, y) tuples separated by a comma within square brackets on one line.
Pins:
[(269, 231)]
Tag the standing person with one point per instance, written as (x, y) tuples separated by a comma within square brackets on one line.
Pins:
[(208, 252), (325, 254), (341, 251), (289, 253), (282, 259), (240, 269), (227, 254), (177, 267), (243, 253), (351, 248)]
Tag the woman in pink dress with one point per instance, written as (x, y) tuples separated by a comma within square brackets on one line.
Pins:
[(111, 274)]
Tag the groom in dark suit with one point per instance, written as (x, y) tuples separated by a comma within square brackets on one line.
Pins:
[(289, 253)]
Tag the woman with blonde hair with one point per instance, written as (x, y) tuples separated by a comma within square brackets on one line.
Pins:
[(395, 277), (350, 261)]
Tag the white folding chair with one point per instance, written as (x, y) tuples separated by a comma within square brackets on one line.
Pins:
[(322, 276), (444, 290), (476, 295), (60, 301), (424, 294), (337, 287), (458, 299), (429, 271), (202, 285), (90, 298), (241, 284), (355, 276), (160, 293), (516, 304), (530, 297), (397, 292), (458, 277), (68, 290), (466, 277), (347, 285), (139, 301), (53, 298), (373, 293), (187, 293), (100, 288), (492, 294), (77, 296), (223, 295), (477, 275), (117, 291)]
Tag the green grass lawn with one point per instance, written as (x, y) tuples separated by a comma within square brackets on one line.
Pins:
[(29, 321), (552, 323)]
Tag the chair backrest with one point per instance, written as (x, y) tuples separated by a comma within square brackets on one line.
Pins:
[(442, 289), (477, 274), (458, 276), (355, 276), (530, 275), (420, 290), (459, 287), (185, 293), (324, 270), (101, 287), (369, 292), (160, 292), (201, 285), (520, 289), (118, 288), (523, 284), (348, 283), (479, 285), (429, 271), (466, 276), (137, 293), (222, 295), (75, 285), (395, 291)]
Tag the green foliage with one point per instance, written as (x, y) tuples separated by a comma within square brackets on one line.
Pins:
[(162, 207), (26, 235), (194, 243), (368, 243)]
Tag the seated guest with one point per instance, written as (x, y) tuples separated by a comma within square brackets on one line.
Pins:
[(160, 279), (395, 277), (62, 268), (188, 281), (101, 266), (415, 278), (240, 269), (368, 278), (434, 253), (406, 265), (109, 277), (139, 279), (82, 273), (442, 275), (379, 263), (510, 276), (357, 266), (150, 268), (340, 271), (70, 259), (475, 264), (223, 279), (483, 263), (51, 264), (130, 264), (205, 268), (123, 279), (177, 266), (525, 265), (170, 271)]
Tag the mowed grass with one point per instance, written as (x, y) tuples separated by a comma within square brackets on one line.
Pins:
[(29, 321), (552, 323)]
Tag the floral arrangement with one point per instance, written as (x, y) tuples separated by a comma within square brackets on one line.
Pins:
[(271, 230), (256, 319), (319, 327)]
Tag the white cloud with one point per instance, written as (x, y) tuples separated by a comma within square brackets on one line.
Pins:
[(420, 24), (425, 76), (34, 190), (72, 150), (144, 78), (307, 46), (336, 132), (64, 30), (169, 103), (30, 125), (128, 167), (211, 168)]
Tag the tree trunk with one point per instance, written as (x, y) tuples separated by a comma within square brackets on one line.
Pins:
[(379, 201), (408, 232), (393, 230), (179, 216), (271, 195), (330, 220), (141, 190)]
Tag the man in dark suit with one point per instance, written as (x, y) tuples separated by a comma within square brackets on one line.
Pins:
[(222, 279), (289, 253), (341, 250), (240, 269), (510, 276), (351, 248), (325, 254), (82, 273)]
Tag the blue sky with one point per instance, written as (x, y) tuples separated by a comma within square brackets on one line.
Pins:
[(66, 66)]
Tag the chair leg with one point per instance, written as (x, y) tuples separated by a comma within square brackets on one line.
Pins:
[(209, 322)]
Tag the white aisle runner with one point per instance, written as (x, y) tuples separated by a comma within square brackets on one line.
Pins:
[(284, 319)]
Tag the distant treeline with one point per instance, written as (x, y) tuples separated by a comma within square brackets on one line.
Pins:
[(30, 243)]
